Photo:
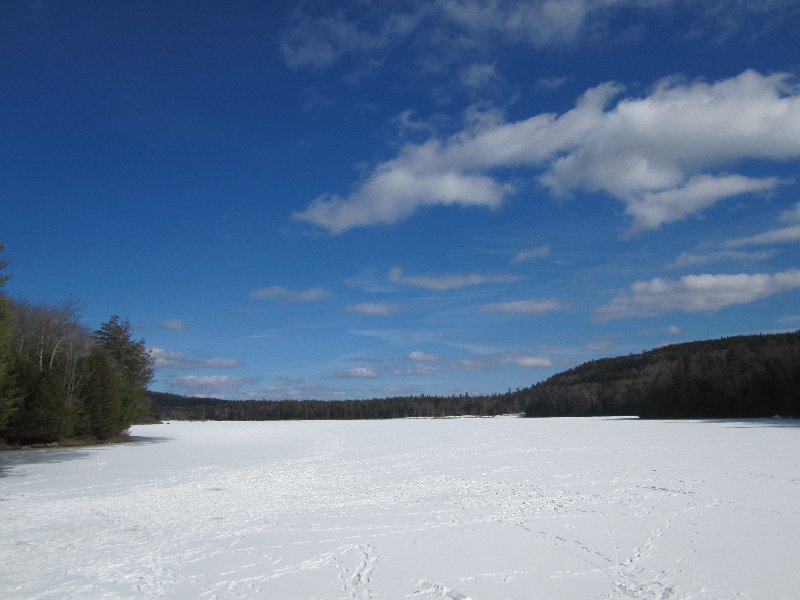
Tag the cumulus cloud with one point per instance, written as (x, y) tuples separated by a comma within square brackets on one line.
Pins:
[(660, 155), (169, 359), (443, 283), (523, 307), (378, 309), (395, 190), (696, 293), (652, 209), (288, 296), (174, 324)]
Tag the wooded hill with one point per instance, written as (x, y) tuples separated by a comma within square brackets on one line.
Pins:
[(745, 376)]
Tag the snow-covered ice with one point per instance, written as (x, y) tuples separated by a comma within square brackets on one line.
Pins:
[(502, 508)]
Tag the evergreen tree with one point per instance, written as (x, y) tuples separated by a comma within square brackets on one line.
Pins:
[(101, 406), (44, 415), (133, 363), (8, 396)]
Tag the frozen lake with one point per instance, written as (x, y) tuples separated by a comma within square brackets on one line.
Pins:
[(502, 508)]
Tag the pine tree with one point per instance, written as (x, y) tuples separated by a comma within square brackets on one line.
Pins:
[(44, 415), (101, 406), (9, 400), (132, 361)]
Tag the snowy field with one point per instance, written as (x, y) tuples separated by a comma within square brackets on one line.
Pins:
[(502, 508)]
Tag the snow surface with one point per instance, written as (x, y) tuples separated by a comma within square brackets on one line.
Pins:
[(453, 509)]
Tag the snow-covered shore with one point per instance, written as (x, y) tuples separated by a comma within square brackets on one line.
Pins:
[(455, 508)]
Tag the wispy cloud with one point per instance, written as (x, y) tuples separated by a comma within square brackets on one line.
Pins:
[(424, 356), (524, 307), (358, 373), (478, 362), (287, 295), (168, 359), (367, 30), (694, 259), (477, 76), (659, 154), (377, 309), (530, 361), (441, 283), (226, 386), (174, 324), (696, 293), (532, 254), (792, 215), (783, 235), (780, 235)]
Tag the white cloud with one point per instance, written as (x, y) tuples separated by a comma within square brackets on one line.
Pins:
[(209, 385), (419, 355), (174, 324), (378, 309), (532, 254), (792, 215), (531, 361), (443, 283), (659, 154), (479, 75), (318, 42), (287, 295), (420, 369), (783, 235), (367, 30), (549, 84), (689, 259), (652, 209), (358, 372), (524, 307), (696, 293), (169, 359), (396, 190)]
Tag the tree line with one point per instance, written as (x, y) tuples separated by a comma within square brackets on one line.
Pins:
[(737, 377), (742, 376), (58, 379), (175, 406)]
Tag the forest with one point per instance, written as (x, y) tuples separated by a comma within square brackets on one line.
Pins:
[(174, 406), (736, 377), (59, 380)]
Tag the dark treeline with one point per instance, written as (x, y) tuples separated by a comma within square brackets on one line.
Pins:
[(738, 377), (60, 380), (744, 376), (174, 406)]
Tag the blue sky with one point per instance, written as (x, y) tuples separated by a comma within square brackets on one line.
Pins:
[(345, 200)]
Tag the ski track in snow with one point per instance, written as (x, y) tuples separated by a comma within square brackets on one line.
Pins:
[(454, 509)]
